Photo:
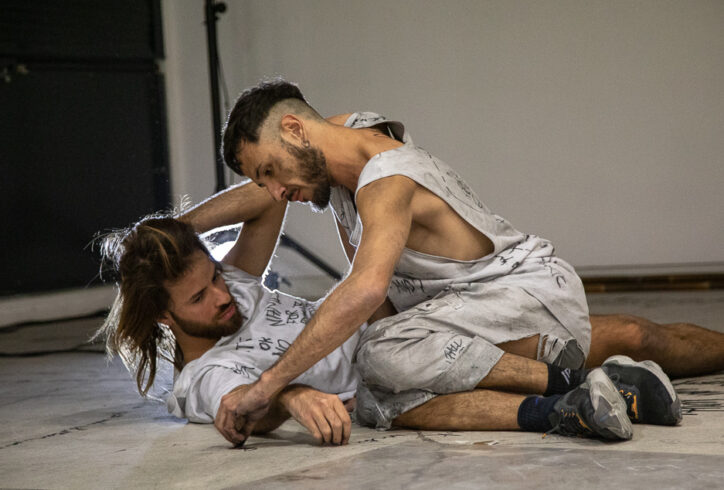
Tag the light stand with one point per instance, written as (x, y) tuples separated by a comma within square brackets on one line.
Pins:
[(212, 8)]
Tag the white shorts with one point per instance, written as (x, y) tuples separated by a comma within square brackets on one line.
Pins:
[(448, 344)]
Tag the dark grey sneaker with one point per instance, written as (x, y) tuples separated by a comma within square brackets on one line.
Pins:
[(594, 409), (650, 396)]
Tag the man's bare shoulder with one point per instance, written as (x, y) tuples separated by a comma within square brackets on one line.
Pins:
[(394, 188)]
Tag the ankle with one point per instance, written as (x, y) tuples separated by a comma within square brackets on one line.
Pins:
[(563, 380), (534, 411)]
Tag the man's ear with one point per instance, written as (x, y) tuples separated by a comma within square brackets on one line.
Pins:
[(166, 319), (292, 129)]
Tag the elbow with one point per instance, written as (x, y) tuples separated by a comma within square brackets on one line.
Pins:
[(374, 294)]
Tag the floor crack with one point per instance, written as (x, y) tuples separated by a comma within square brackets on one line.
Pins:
[(63, 432)]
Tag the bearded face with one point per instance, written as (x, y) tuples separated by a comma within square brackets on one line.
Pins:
[(214, 329), (313, 169)]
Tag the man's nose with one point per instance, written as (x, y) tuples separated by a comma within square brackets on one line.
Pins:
[(222, 296)]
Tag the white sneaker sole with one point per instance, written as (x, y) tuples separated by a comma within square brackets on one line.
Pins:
[(609, 407)]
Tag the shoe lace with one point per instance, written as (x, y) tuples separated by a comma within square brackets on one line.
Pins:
[(569, 424), (629, 396), (632, 406)]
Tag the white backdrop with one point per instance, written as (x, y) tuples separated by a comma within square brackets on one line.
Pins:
[(597, 124)]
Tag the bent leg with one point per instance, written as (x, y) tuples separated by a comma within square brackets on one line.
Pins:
[(594, 409), (472, 410), (517, 374), (681, 349)]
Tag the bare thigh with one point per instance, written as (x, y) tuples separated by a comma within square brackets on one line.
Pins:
[(527, 347), (616, 334)]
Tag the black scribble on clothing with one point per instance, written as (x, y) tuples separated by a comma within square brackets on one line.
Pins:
[(274, 299), (516, 248), (240, 344), (242, 369), (309, 312), (293, 316), (555, 274), (365, 120), (281, 348), (274, 316), (407, 286), (265, 343), (465, 188), (452, 349)]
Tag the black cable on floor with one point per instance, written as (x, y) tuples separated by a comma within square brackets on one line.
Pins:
[(14, 327), (49, 352)]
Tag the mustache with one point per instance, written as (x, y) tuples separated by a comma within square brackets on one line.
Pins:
[(224, 308)]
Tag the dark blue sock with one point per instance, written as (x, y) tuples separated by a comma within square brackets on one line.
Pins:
[(533, 413), (561, 381)]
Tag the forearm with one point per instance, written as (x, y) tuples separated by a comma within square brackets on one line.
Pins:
[(241, 203), (276, 416)]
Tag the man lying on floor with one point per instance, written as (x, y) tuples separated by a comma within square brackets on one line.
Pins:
[(222, 328), (217, 324)]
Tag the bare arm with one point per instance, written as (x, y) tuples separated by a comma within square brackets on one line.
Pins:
[(254, 207), (322, 414), (385, 209), (237, 204), (387, 308)]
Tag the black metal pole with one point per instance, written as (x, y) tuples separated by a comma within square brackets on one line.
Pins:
[(212, 8), (287, 241)]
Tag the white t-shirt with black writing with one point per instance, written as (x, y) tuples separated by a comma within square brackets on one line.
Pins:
[(272, 320)]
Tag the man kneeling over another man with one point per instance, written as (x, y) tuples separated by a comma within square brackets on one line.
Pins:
[(221, 329)]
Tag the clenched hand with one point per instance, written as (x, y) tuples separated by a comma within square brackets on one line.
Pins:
[(239, 410)]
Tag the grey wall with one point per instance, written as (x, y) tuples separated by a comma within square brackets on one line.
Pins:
[(597, 124)]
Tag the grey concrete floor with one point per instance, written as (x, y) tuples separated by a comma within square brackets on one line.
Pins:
[(70, 420)]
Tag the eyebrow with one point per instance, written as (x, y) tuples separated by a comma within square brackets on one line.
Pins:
[(217, 269)]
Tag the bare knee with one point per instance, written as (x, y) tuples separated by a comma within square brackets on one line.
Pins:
[(619, 334), (634, 335)]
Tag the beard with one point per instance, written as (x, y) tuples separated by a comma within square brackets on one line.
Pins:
[(313, 169), (212, 330)]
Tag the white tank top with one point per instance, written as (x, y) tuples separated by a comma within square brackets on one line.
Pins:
[(525, 260)]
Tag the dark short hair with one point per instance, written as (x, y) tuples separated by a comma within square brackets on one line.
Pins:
[(249, 113)]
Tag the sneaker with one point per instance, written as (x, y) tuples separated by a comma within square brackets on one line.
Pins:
[(594, 409), (650, 396)]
